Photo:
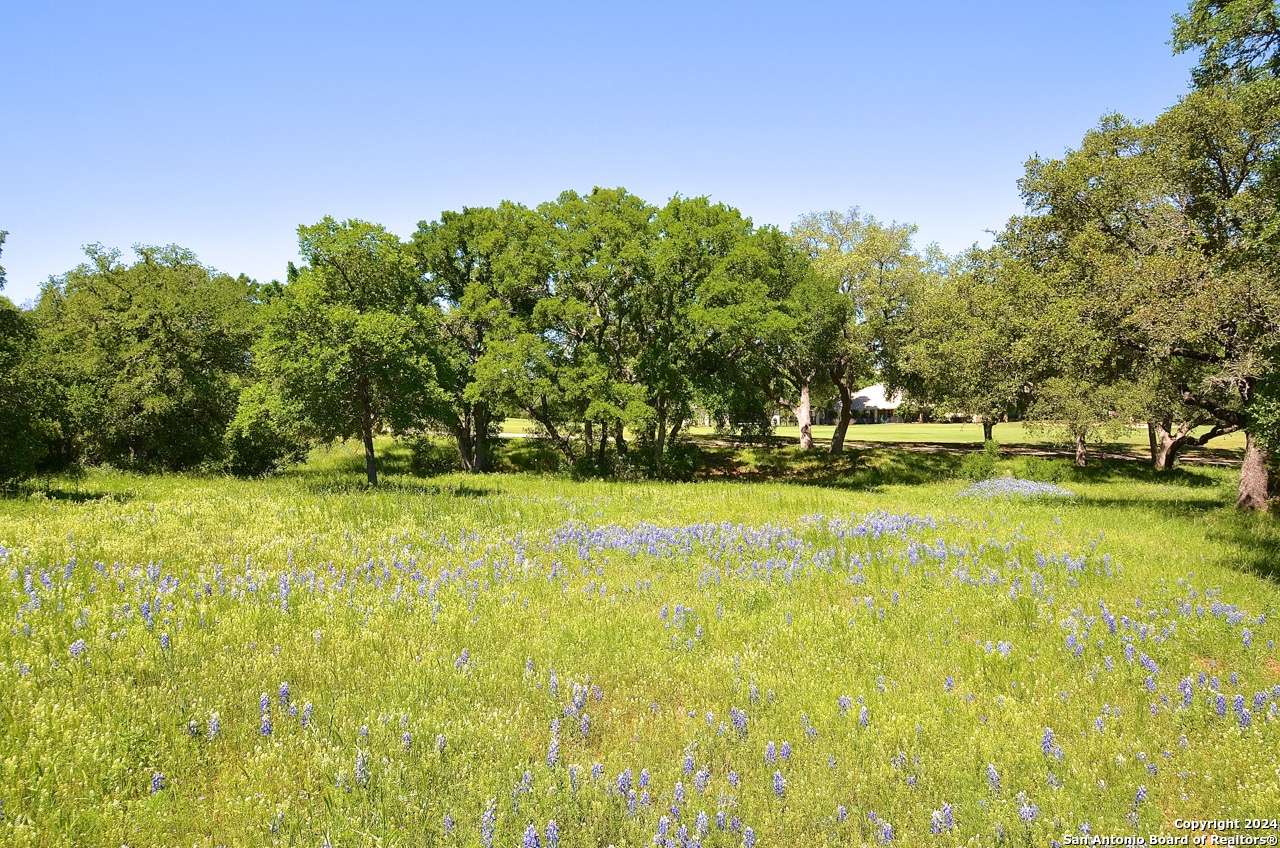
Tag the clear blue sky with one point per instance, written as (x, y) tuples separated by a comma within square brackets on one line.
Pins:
[(222, 126)]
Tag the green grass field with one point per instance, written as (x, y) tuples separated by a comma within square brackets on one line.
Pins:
[(790, 651)]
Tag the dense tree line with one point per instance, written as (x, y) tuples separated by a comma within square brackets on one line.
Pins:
[(1139, 286)]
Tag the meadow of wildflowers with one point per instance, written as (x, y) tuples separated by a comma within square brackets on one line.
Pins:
[(531, 661)]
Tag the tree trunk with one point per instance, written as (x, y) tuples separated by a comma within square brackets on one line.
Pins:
[(370, 461), (987, 427), (1080, 451), (1168, 445), (604, 439), (842, 421), (589, 440), (660, 440), (462, 436), (1151, 441), (1254, 477), (619, 441), (482, 445), (802, 412)]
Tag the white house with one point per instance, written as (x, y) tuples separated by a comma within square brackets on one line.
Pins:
[(869, 404)]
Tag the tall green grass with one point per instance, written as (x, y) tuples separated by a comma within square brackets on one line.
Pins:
[(798, 601)]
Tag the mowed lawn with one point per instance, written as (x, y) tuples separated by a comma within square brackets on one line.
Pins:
[(1013, 433), (794, 652)]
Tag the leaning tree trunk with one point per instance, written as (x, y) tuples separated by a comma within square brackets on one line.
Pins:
[(1151, 441), (845, 416), (370, 460), (466, 448), (1167, 446), (1254, 477), (482, 445), (660, 436), (1081, 454), (366, 433), (803, 418), (987, 427)]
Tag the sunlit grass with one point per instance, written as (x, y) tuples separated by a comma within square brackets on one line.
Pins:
[(387, 588)]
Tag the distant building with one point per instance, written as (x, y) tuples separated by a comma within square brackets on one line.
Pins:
[(870, 406)]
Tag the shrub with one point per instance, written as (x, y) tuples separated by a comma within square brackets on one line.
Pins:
[(259, 439), (428, 457), (1044, 470), (977, 466), (680, 461)]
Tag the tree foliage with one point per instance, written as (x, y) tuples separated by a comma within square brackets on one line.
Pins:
[(346, 345), (149, 356)]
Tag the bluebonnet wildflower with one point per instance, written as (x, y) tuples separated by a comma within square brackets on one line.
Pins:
[(157, 782), (406, 740), (264, 727), (77, 649), (362, 768), (553, 747), (864, 717), (993, 777), (1013, 487), (748, 837), (845, 702), (448, 824), (1141, 795), (688, 764), (842, 812), (770, 752), (624, 781), (531, 837), (306, 714), (701, 780), (733, 778), (785, 751), (441, 742), (584, 725), (678, 794), (779, 785), (553, 834), (164, 641), (488, 819)]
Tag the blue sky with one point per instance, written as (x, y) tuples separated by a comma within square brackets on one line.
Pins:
[(223, 126)]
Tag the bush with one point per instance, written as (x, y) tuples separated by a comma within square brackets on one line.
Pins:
[(260, 439), (991, 448), (1044, 470), (977, 466), (428, 457), (680, 461)]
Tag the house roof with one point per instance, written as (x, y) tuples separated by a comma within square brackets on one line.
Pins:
[(873, 397)]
